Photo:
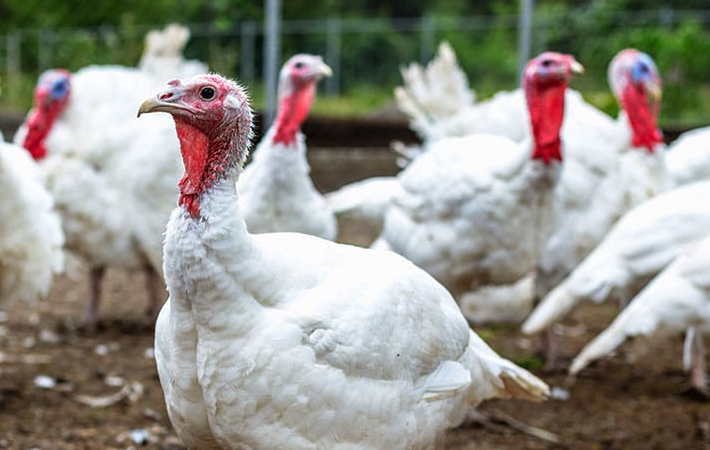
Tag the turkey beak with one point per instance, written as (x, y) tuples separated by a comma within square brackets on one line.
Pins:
[(576, 67), (654, 89), (324, 69), (166, 101)]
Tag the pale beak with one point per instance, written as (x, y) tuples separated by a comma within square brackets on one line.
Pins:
[(323, 69), (162, 102), (576, 67), (654, 90)]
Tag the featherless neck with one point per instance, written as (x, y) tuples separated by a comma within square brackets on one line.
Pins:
[(546, 106), (39, 125), (642, 116), (293, 110), (209, 160)]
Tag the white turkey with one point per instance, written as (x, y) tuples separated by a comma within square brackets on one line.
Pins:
[(678, 299), (275, 191), (476, 210), (31, 237), (90, 148), (688, 158), (642, 243), (597, 187), (286, 340)]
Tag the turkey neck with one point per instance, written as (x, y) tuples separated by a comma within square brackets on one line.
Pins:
[(642, 116), (39, 125), (293, 110), (546, 105), (208, 251)]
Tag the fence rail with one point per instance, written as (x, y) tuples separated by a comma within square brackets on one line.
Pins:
[(362, 51)]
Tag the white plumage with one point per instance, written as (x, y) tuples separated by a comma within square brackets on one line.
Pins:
[(642, 243), (688, 158), (276, 190), (470, 205), (31, 237), (677, 299), (440, 104), (365, 201), (163, 54), (283, 340)]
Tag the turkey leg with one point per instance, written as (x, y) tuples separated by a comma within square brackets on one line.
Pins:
[(89, 318)]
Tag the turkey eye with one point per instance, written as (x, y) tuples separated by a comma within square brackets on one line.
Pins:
[(546, 63), (298, 65), (207, 93)]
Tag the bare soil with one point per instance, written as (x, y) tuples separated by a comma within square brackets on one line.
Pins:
[(613, 404)]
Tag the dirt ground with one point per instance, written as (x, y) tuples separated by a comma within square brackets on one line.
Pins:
[(107, 393)]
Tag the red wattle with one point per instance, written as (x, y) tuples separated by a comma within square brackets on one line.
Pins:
[(194, 146), (642, 116), (38, 127), (293, 110), (546, 107)]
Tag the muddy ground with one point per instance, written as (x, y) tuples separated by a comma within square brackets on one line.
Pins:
[(612, 405)]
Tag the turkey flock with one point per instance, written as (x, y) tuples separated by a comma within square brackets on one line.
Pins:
[(516, 209)]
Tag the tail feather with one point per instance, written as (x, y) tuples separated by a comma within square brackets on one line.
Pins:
[(552, 308), (436, 92), (365, 200), (498, 377)]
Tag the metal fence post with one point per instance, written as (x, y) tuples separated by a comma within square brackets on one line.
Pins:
[(332, 54), (246, 54), (666, 17), (426, 44), (271, 58), (524, 34), (44, 52), (13, 52)]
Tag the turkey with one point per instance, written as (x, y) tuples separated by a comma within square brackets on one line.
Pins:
[(688, 158), (477, 210), (287, 340), (597, 188), (642, 243), (275, 191), (31, 237), (677, 299), (90, 149)]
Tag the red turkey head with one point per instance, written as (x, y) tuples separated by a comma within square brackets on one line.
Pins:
[(545, 82), (213, 121), (297, 89), (52, 94), (634, 79)]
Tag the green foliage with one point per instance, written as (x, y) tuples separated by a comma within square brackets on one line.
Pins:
[(372, 51)]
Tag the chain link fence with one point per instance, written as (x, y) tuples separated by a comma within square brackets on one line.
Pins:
[(367, 53)]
